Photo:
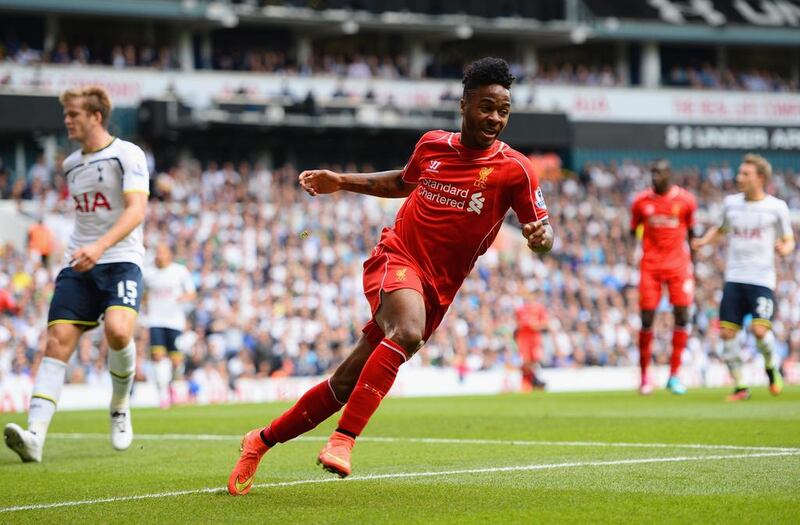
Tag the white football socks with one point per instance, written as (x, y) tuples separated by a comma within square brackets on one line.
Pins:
[(732, 354), (121, 365), (46, 393), (766, 345), (163, 376)]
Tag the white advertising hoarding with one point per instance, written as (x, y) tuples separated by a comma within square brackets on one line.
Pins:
[(15, 391)]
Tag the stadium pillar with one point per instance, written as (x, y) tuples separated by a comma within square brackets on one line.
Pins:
[(20, 166), (49, 145), (185, 50), (530, 58), (572, 10), (416, 59), (721, 57), (650, 65), (304, 49), (50, 32)]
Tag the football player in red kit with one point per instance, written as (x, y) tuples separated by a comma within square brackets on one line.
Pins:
[(665, 213), (459, 188), (531, 319)]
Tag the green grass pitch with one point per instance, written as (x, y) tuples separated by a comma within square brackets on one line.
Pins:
[(523, 458)]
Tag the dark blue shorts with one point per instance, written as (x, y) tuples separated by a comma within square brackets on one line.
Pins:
[(163, 339), (740, 300), (81, 298)]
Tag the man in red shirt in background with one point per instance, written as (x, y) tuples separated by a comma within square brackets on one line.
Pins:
[(459, 188), (665, 214), (40, 240), (531, 320), (7, 303)]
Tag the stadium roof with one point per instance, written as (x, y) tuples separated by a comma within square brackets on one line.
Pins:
[(769, 22), (198, 10)]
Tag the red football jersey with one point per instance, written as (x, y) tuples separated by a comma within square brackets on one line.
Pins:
[(666, 220), (458, 207), (528, 316)]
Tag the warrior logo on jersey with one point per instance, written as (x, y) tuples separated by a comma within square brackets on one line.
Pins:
[(434, 166), (676, 209), (483, 178), (400, 274)]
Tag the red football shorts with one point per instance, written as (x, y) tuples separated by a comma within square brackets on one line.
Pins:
[(529, 347), (389, 271), (680, 284)]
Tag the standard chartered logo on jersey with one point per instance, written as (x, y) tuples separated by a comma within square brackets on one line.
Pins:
[(445, 194), (450, 195), (476, 203)]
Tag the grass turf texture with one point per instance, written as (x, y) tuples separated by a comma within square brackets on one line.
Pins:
[(542, 482)]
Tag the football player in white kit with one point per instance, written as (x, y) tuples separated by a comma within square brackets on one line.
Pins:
[(168, 287), (759, 226), (102, 277)]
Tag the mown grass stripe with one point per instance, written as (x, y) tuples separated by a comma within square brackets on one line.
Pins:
[(400, 475)]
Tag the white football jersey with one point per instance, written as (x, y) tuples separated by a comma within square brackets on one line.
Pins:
[(97, 182), (164, 286), (753, 228)]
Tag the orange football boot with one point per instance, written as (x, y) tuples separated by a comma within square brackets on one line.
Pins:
[(244, 472), (335, 455), (775, 381), (741, 394)]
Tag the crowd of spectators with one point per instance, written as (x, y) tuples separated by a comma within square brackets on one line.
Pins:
[(361, 65), (709, 77), (119, 56), (279, 275), (577, 74)]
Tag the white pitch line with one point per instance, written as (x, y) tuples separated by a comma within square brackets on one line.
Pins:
[(400, 475), (446, 441)]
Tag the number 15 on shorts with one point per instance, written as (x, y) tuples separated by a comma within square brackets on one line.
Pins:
[(128, 291)]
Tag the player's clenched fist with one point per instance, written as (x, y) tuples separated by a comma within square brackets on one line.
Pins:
[(85, 258), (539, 235), (318, 182)]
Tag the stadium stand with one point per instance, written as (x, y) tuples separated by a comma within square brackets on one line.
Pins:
[(273, 304), (234, 104)]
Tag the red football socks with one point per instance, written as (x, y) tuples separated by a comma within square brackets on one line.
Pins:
[(679, 337), (645, 351), (314, 407), (373, 384)]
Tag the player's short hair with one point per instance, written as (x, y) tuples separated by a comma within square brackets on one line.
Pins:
[(95, 100), (660, 165), (763, 167), (485, 72)]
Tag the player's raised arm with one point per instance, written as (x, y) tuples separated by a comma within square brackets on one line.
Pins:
[(388, 184)]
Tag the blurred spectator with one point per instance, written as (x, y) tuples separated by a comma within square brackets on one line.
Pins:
[(40, 240), (40, 170)]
